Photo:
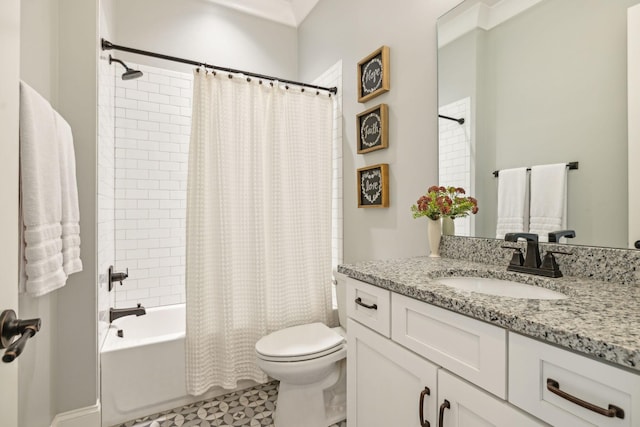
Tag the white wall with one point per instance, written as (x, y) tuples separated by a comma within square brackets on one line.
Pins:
[(203, 31), (38, 68), (349, 31), (76, 373), (58, 58)]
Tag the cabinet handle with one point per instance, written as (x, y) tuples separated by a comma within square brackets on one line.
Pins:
[(554, 387), (423, 393), (371, 307), (445, 405)]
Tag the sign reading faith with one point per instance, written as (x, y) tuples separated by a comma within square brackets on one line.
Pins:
[(373, 125), (373, 186), (373, 74)]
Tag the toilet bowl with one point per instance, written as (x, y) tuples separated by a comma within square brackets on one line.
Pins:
[(310, 363)]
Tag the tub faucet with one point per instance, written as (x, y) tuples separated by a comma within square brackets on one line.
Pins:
[(115, 313)]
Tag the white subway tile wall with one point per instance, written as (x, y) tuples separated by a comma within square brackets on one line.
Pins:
[(106, 190), (152, 127), (455, 154)]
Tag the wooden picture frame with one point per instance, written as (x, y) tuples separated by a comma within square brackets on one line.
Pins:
[(373, 129), (373, 74), (373, 186)]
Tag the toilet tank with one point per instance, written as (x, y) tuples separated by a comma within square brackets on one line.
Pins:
[(341, 296)]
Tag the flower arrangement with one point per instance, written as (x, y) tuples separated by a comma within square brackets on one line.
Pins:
[(444, 201)]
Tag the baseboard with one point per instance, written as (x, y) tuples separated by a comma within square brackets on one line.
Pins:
[(83, 417)]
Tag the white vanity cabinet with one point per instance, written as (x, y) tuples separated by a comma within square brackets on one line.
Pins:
[(404, 379)]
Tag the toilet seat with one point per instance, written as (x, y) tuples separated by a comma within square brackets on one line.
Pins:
[(299, 343)]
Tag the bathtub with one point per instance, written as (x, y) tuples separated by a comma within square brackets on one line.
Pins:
[(144, 371)]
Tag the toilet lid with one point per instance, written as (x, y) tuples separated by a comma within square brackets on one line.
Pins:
[(303, 340)]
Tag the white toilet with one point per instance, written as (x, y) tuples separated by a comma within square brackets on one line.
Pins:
[(310, 363)]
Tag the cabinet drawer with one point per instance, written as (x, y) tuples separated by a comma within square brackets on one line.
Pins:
[(472, 349), (532, 364), (369, 305)]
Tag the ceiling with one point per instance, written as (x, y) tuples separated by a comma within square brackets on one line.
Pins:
[(288, 12)]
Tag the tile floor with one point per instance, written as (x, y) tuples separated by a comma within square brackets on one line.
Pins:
[(252, 407)]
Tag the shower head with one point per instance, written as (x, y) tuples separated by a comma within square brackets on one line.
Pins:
[(129, 73)]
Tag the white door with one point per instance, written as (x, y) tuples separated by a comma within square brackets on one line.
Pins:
[(9, 80), (386, 383), (633, 77), (464, 405)]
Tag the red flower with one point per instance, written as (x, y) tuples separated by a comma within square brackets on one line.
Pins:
[(447, 201)]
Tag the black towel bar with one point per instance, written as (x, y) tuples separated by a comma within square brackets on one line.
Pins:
[(570, 165)]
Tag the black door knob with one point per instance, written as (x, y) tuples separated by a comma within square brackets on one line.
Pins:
[(10, 327), (637, 244)]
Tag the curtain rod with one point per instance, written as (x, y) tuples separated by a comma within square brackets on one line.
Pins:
[(570, 165), (107, 45), (460, 120)]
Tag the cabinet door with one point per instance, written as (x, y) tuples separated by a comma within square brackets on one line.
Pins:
[(386, 383), (468, 406)]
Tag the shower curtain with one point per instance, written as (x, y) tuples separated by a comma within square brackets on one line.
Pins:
[(259, 200)]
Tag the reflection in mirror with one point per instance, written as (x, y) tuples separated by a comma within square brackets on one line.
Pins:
[(538, 82)]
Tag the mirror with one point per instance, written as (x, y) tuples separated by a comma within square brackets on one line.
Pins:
[(537, 82)]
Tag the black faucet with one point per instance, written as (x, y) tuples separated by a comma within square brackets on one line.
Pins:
[(532, 256), (531, 263), (115, 313), (555, 236)]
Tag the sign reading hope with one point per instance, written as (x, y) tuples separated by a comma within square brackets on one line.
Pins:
[(373, 74)]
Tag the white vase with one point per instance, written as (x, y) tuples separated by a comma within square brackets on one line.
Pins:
[(434, 230), (448, 226)]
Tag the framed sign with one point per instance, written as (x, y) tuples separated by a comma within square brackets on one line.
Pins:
[(373, 129), (373, 186), (373, 74)]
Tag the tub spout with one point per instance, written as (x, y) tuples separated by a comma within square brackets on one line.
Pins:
[(115, 313)]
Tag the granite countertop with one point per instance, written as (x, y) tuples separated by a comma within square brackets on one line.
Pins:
[(599, 319)]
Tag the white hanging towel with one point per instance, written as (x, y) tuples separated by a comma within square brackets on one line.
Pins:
[(42, 266), (71, 262), (548, 199), (512, 200)]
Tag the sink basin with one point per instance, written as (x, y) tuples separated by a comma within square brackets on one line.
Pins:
[(499, 287)]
